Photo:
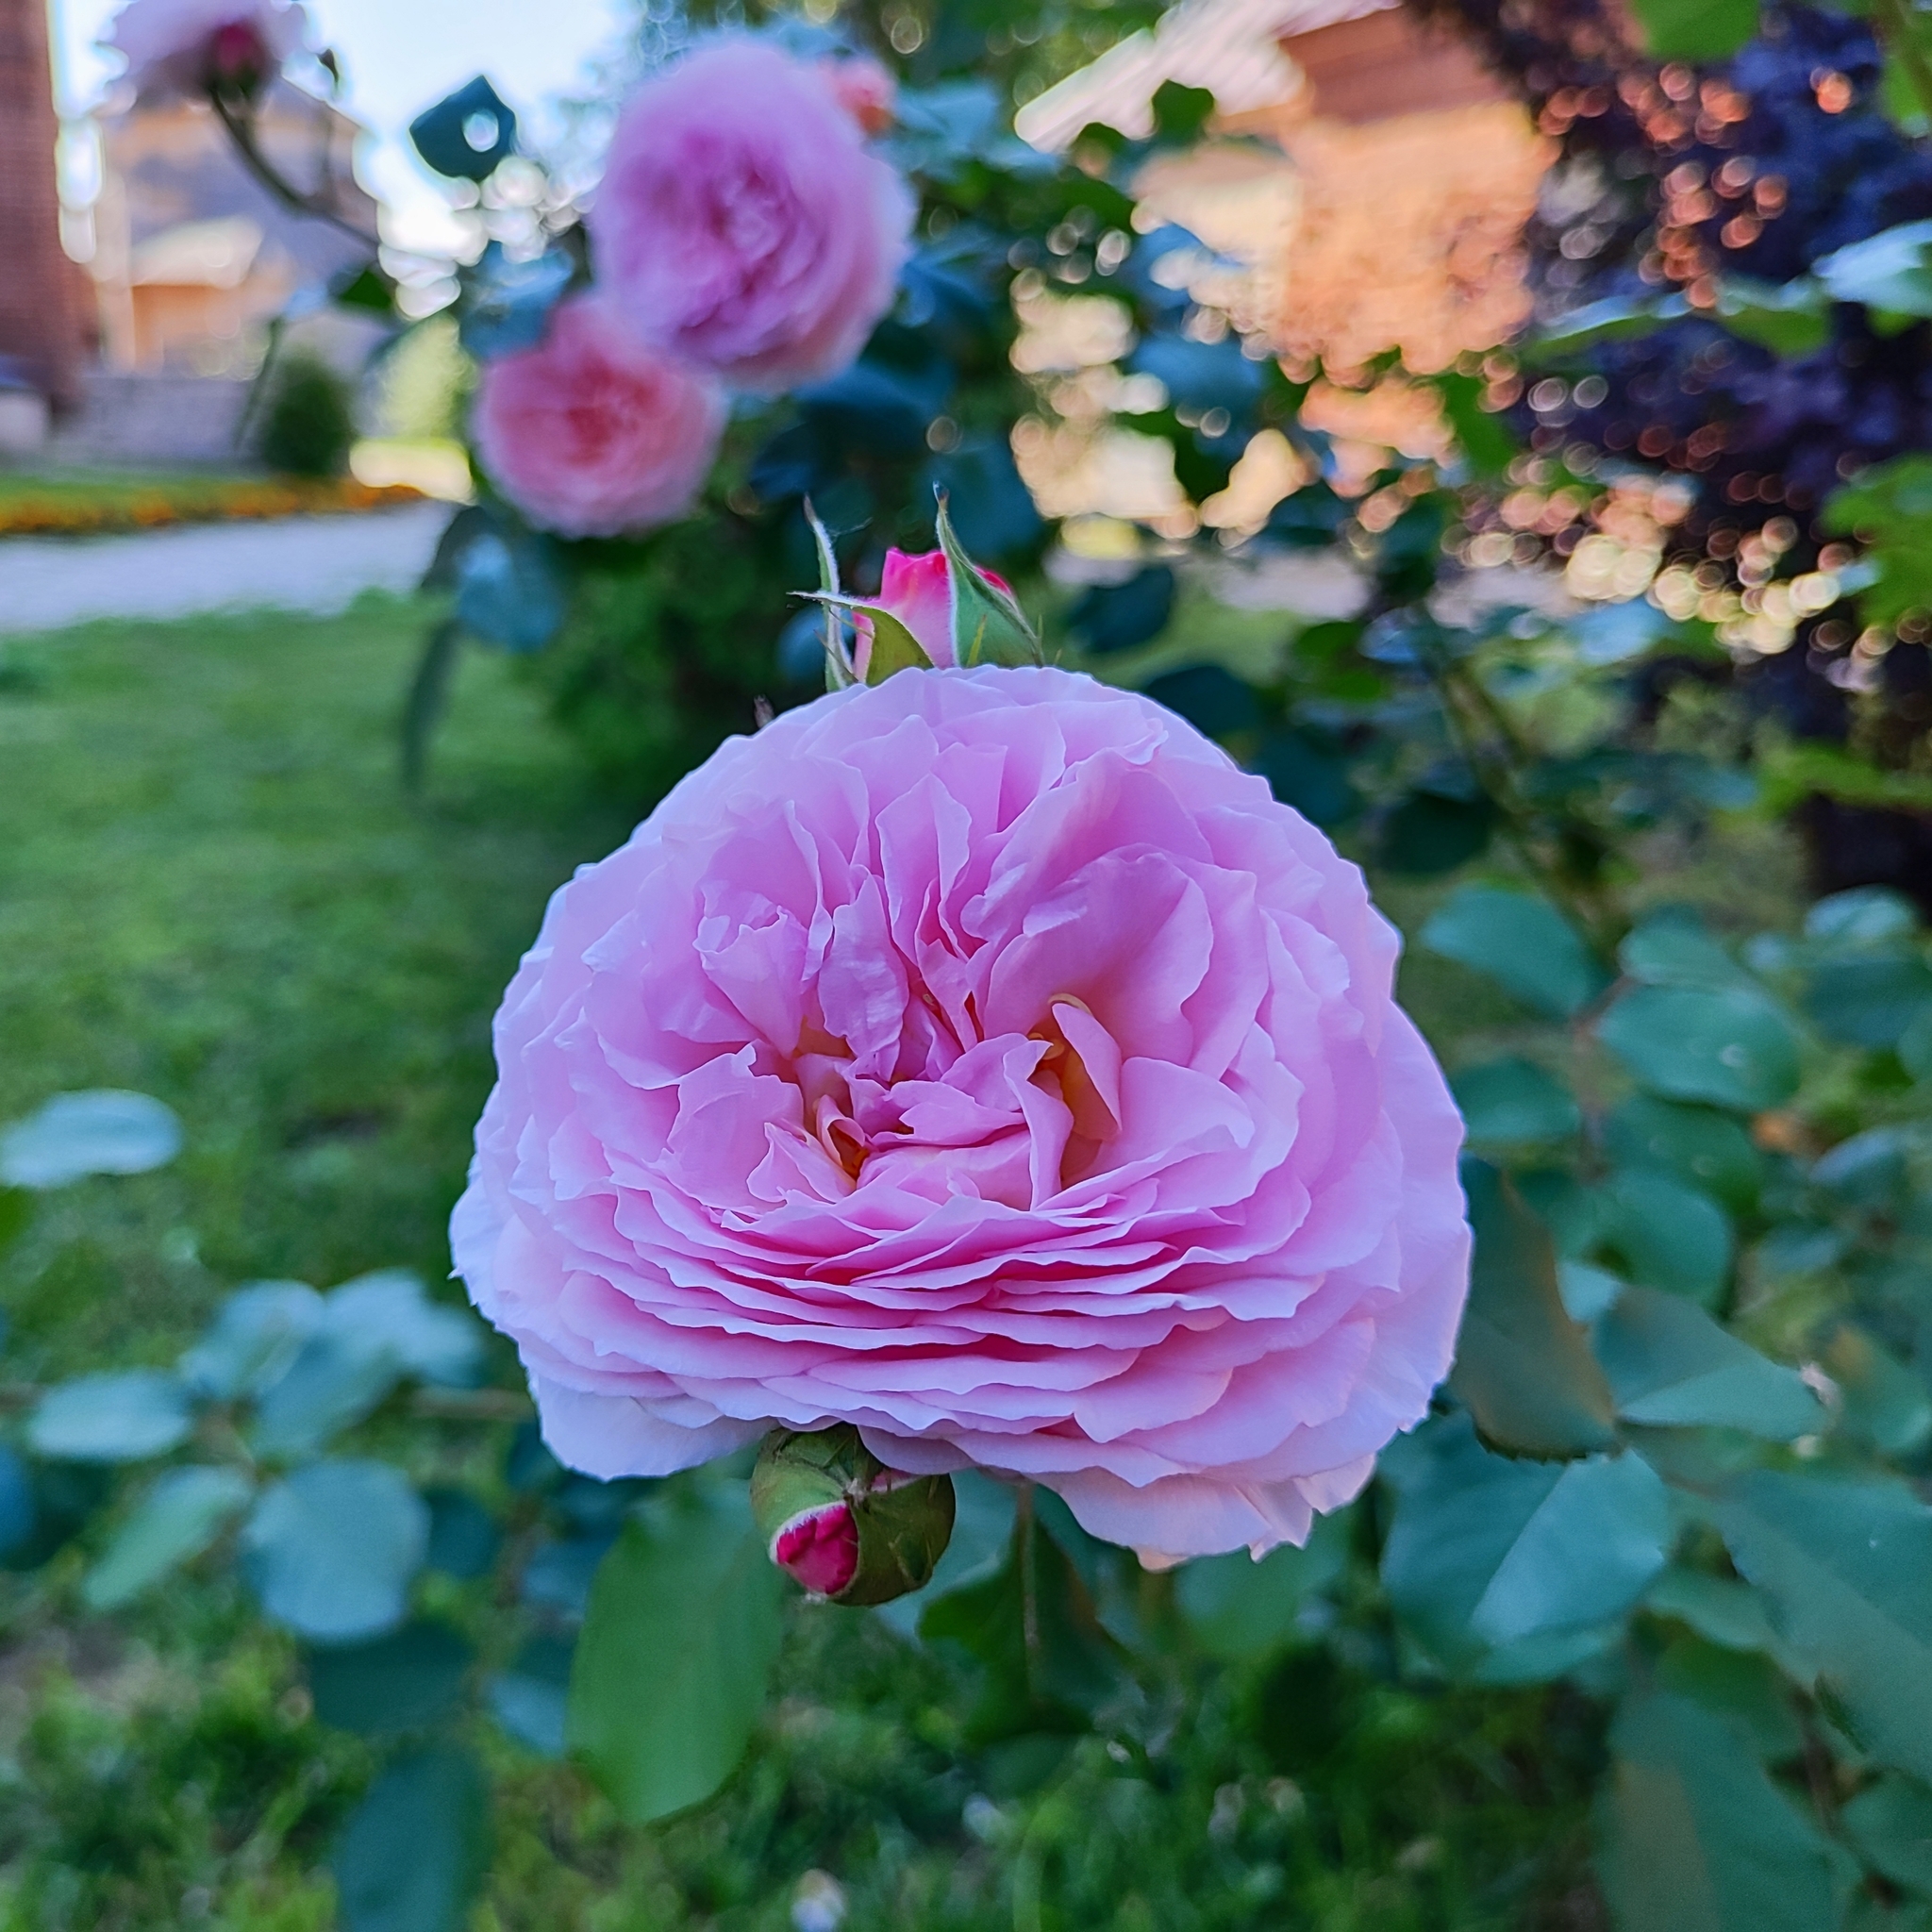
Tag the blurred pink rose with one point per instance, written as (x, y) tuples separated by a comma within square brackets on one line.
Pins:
[(981, 1058), (741, 224), (592, 434), (185, 46), (865, 88), (917, 591)]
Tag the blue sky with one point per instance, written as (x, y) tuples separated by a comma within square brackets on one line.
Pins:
[(399, 56)]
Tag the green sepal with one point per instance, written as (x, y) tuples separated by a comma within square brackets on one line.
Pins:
[(893, 647), (988, 626), (904, 1522), (839, 671)]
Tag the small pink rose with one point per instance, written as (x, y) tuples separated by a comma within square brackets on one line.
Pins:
[(917, 591), (865, 90), (191, 46), (743, 224), (591, 433)]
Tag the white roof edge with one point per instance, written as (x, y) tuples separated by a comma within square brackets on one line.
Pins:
[(1227, 47)]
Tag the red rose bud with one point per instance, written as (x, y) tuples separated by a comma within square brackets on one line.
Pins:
[(847, 1527), (238, 58), (820, 1548)]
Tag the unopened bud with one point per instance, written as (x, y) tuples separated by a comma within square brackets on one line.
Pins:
[(844, 1525)]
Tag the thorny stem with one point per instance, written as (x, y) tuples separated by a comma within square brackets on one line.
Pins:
[(241, 132)]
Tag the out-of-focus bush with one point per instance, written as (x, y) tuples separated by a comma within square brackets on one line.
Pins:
[(310, 424)]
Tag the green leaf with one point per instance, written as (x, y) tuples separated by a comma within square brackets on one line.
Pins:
[(254, 1339), (1888, 509), (1695, 29), (1238, 1608), (74, 1135), (1482, 436), (1886, 1405), (1048, 1663), (1523, 944), (16, 1211), (1615, 318), (1672, 1366), (1694, 1837), (1522, 1367), (1791, 319), (369, 1333), (1671, 948), (1513, 1102), (415, 1854), (1844, 1564), (403, 1682), (1891, 1824), (532, 1699), (988, 626), (671, 1670), (1719, 1609), (1486, 1551), (1703, 1147), (1733, 1048), (113, 1418), (1890, 271), (1180, 112), (466, 135), (331, 1550), (1666, 1234), (1744, 1686), (185, 1511), (1870, 1002)]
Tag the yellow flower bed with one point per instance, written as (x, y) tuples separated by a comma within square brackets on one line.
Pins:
[(104, 509)]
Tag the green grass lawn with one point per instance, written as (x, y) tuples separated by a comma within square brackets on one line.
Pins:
[(98, 486), (213, 890)]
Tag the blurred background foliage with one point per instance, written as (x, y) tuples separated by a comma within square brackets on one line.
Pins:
[(1624, 711)]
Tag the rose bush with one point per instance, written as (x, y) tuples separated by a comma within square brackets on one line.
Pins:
[(742, 223), (589, 433), (983, 1059)]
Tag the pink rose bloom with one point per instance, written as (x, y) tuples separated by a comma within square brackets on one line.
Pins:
[(187, 46), (592, 434), (917, 591), (743, 224), (864, 90), (981, 1058)]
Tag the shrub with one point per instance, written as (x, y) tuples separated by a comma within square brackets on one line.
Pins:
[(309, 424)]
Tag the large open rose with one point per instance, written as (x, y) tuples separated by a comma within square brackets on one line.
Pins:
[(983, 1059), (743, 224)]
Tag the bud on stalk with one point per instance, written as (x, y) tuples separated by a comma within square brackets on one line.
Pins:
[(847, 1527)]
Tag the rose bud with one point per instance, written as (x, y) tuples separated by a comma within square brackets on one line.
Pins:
[(865, 88), (232, 48), (844, 1525), (917, 591)]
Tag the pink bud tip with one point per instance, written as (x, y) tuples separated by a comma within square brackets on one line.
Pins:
[(237, 52), (818, 1547)]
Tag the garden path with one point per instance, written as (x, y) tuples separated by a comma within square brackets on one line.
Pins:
[(318, 564)]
